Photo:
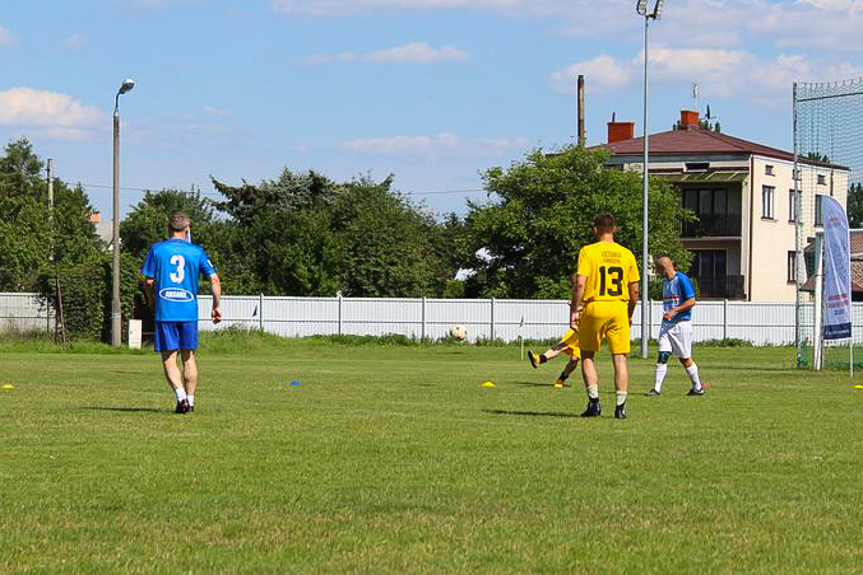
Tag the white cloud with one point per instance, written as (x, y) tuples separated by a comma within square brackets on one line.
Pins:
[(429, 146), (6, 37), (604, 72), (53, 114), (75, 42), (416, 53), (409, 145), (719, 72), (413, 53), (341, 7), (822, 24), (218, 112), (829, 24)]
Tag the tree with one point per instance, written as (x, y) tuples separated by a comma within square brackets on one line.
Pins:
[(529, 237), (704, 124), (27, 239), (388, 243), (855, 205), (290, 192), (147, 222), (818, 157), (304, 234)]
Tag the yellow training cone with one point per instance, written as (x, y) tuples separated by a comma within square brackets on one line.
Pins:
[(8, 387), (858, 387), (488, 384)]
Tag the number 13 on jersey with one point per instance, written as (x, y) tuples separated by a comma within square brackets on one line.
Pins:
[(610, 281)]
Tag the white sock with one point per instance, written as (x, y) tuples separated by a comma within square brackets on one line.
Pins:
[(659, 376), (692, 371), (593, 392), (191, 399), (621, 397), (180, 393)]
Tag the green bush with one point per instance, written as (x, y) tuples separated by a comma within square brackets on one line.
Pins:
[(727, 342), (87, 293)]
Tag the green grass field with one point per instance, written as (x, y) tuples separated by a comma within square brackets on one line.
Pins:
[(394, 460)]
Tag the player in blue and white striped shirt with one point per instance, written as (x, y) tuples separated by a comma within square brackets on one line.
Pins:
[(675, 334)]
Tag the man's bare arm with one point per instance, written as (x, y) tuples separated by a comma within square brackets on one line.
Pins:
[(578, 285), (216, 286), (148, 286), (690, 303), (634, 292)]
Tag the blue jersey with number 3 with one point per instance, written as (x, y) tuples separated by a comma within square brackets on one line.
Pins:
[(175, 265)]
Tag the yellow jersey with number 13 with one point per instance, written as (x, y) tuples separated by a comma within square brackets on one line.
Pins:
[(609, 268)]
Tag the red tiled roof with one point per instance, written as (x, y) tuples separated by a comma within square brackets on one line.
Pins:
[(695, 140), (856, 264)]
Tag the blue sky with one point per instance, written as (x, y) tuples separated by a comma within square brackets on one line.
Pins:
[(433, 91)]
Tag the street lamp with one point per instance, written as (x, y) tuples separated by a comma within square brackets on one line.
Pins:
[(656, 14), (116, 313)]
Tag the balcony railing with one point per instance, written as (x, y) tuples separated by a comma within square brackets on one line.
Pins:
[(713, 225), (727, 287)]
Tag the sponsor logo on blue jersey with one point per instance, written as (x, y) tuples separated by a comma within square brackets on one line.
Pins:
[(176, 294)]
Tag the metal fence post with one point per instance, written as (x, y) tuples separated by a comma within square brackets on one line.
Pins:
[(423, 325), (492, 318), (339, 295), (725, 319), (261, 312)]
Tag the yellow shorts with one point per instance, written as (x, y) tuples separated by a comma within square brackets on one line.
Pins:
[(570, 340), (605, 319)]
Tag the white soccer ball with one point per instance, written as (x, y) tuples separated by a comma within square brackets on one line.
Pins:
[(458, 332)]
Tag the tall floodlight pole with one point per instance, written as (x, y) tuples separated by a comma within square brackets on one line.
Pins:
[(656, 14), (116, 313)]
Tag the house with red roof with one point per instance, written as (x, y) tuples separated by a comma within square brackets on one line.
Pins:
[(743, 194)]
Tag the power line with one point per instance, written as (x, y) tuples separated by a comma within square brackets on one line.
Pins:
[(216, 194)]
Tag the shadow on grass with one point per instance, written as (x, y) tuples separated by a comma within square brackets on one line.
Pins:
[(530, 413), (127, 409), (535, 384)]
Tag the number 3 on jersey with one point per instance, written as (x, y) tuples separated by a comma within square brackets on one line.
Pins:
[(610, 281), (179, 273)]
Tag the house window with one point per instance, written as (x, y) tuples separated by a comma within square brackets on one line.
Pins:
[(792, 206), (697, 166), (717, 210), (822, 180), (795, 173), (792, 267), (818, 216), (767, 202), (768, 169)]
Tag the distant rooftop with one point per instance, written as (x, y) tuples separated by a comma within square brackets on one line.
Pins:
[(690, 138)]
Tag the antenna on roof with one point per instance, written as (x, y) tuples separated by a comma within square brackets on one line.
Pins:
[(694, 96)]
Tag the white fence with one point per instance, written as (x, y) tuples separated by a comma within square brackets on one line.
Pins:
[(24, 312), (760, 323)]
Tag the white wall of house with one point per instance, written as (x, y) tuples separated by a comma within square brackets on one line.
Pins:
[(773, 225)]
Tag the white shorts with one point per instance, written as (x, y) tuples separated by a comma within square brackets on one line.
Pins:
[(676, 338)]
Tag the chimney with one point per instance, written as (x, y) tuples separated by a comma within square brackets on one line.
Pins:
[(95, 217), (581, 139), (619, 131), (688, 118)]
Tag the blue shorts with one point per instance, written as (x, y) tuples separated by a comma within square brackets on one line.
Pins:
[(174, 335)]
